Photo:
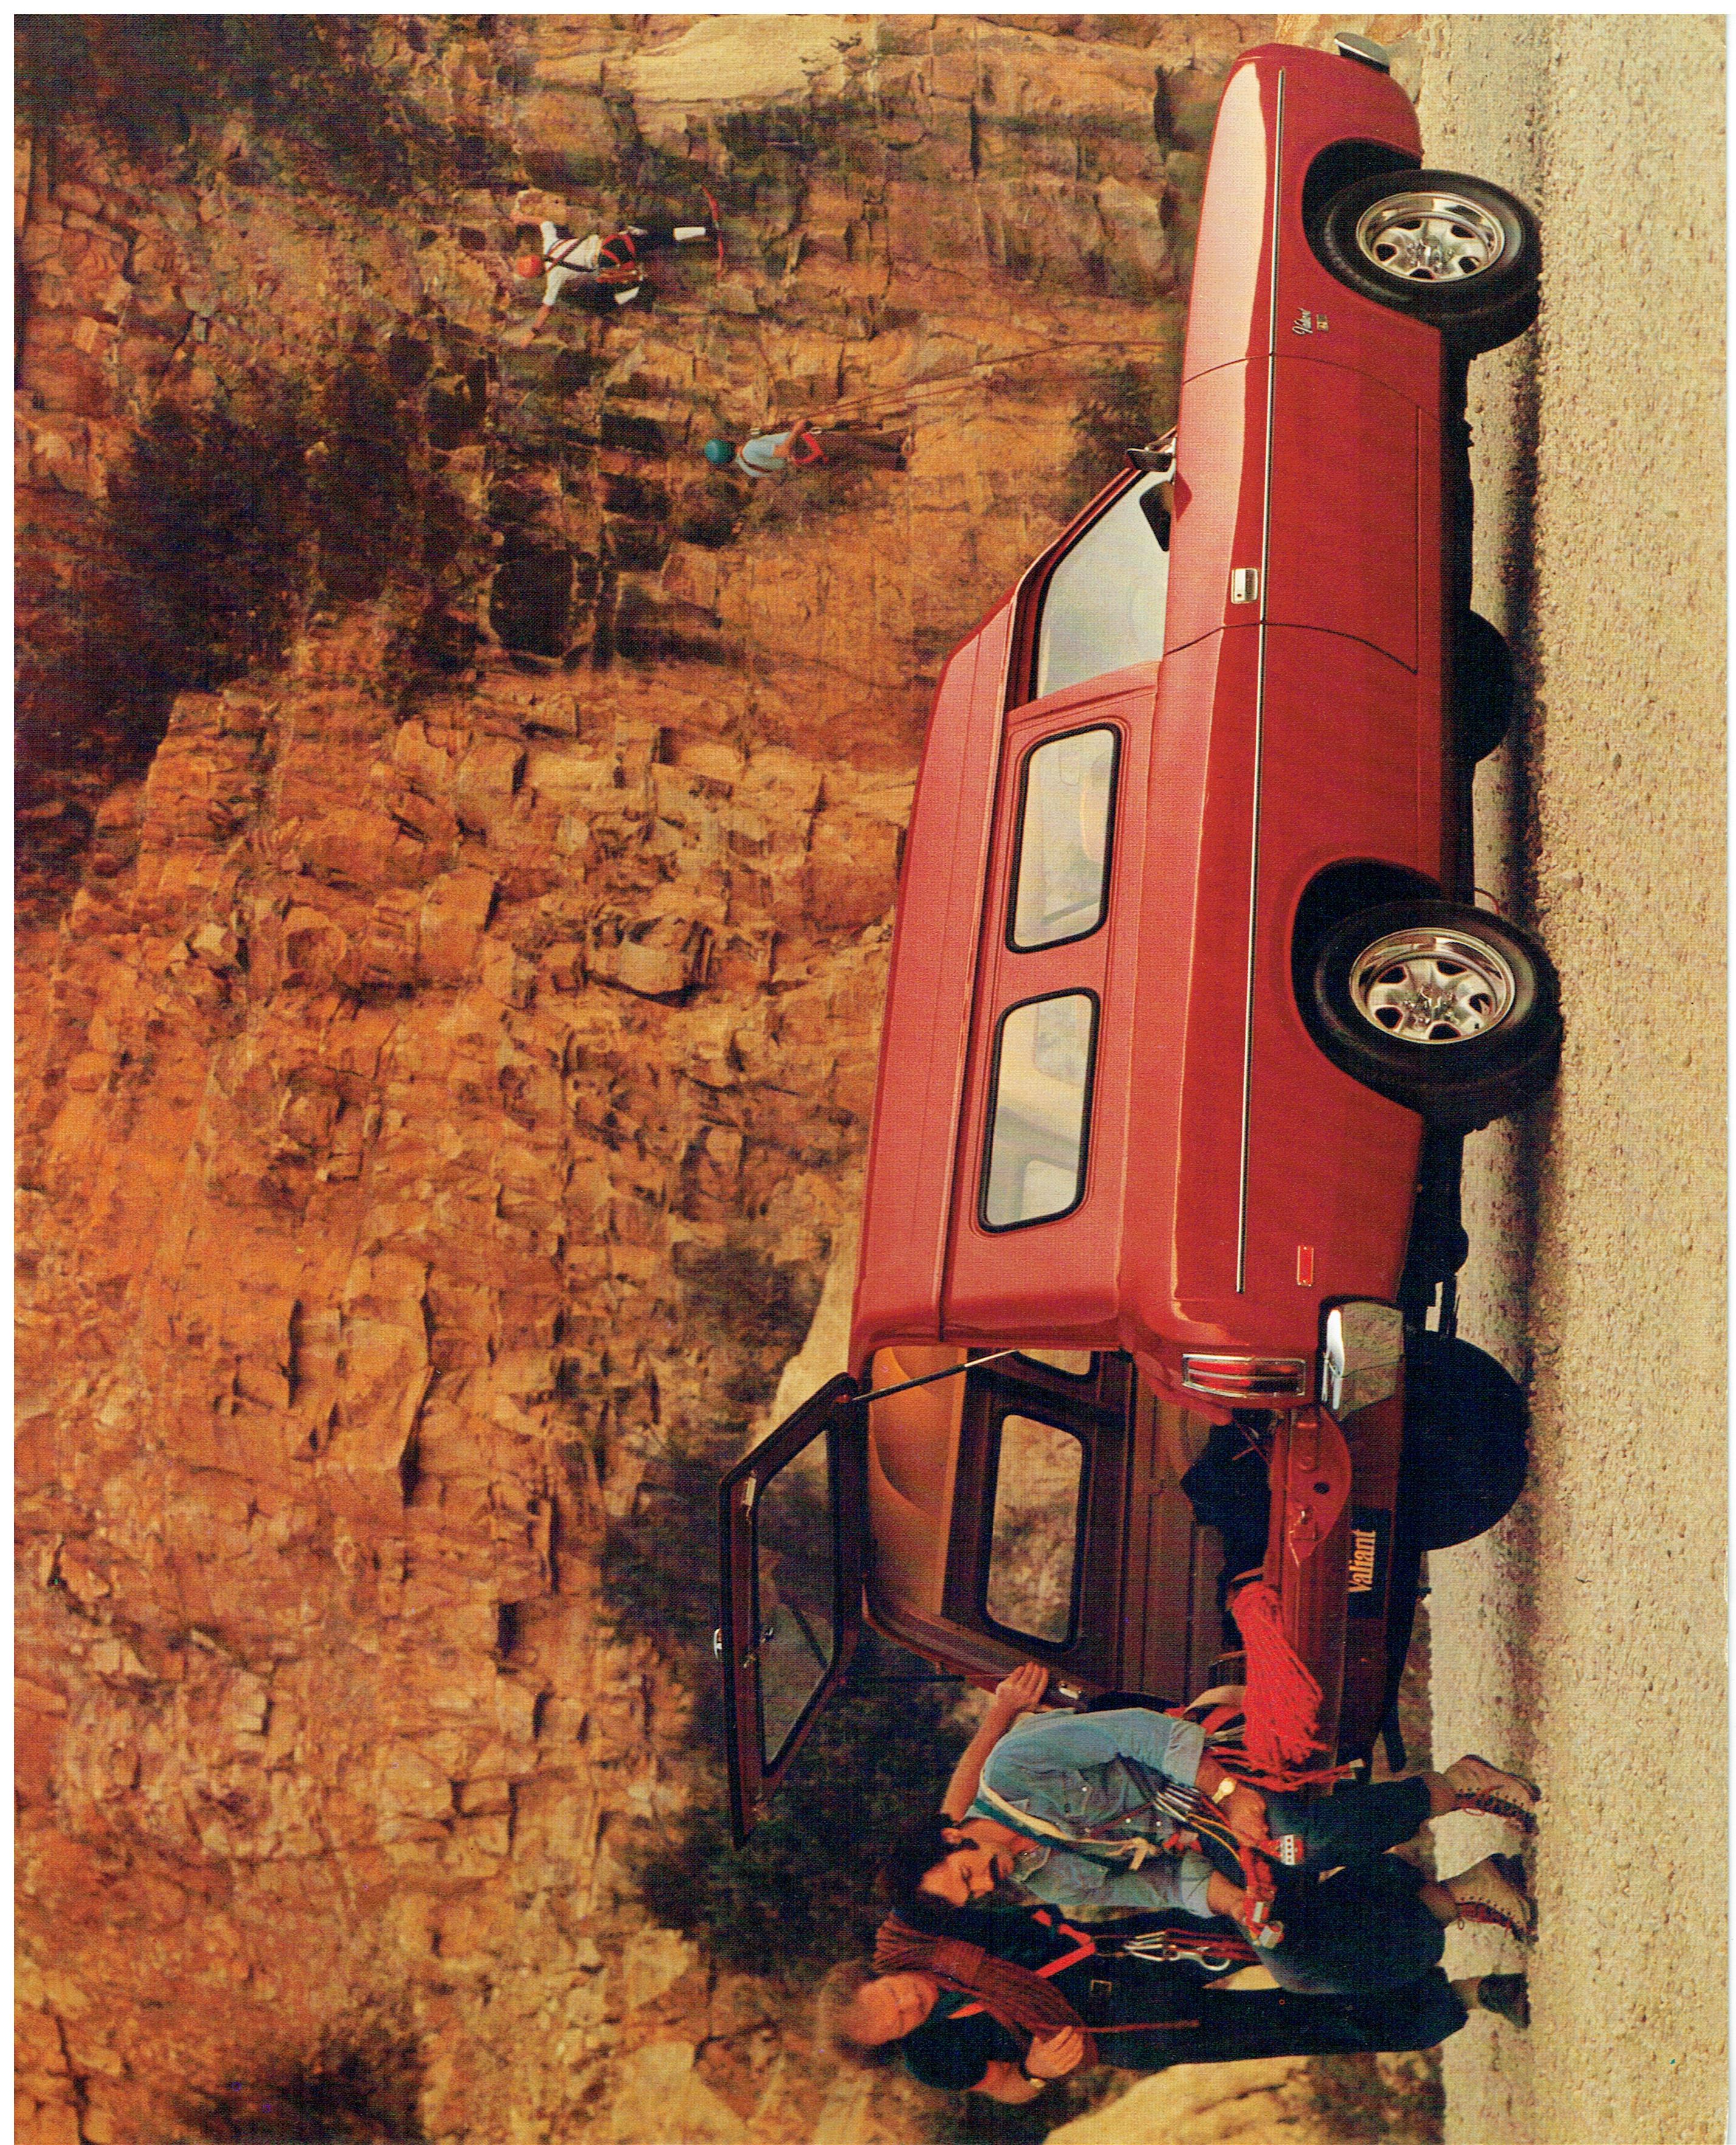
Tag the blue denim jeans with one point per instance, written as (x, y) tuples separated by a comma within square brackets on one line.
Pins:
[(1355, 1822), (1359, 1930)]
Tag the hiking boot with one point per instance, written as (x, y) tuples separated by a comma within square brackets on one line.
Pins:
[(1481, 1786), (1506, 1995), (1494, 1890)]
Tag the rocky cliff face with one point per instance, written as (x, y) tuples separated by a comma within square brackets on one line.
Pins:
[(447, 1037)]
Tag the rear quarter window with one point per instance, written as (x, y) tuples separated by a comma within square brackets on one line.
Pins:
[(1061, 879), (1035, 1164)]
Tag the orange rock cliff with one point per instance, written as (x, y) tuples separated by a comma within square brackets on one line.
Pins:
[(447, 991)]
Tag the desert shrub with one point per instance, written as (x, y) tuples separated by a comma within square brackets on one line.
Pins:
[(800, 1893), (1127, 404), (307, 83), (359, 495), (223, 519), (659, 1568), (360, 2085), (1396, 2098), (963, 2117), (208, 515)]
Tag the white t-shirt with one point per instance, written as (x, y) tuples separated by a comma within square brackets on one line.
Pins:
[(759, 457), (564, 257)]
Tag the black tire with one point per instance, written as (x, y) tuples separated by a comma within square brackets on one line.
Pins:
[(1481, 306), (1482, 688), (1464, 1454), (1391, 984)]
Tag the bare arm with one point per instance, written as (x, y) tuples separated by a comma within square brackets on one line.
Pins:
[(1052, 2056), (1007, 2083), (1243, 1809), (1231, 1901), (1019, 1694)]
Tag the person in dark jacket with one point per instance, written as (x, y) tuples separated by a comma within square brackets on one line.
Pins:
[(1139, 1994)]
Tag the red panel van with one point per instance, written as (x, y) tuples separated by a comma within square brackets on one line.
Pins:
[(1190, 1010)]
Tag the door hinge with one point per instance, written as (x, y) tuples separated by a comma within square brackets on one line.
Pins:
[(1245, 584)]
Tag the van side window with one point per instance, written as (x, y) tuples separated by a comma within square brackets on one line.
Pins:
[(1035, 1155), (1103, 606), (1061, 878), (1034, 1546)]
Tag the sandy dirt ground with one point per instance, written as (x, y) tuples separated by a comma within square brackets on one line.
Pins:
[(1584, 1640)]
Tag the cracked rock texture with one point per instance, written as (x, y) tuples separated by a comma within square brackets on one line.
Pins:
[(447, 1048)]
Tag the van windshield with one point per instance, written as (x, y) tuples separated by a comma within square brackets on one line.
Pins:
[(1103, 606)]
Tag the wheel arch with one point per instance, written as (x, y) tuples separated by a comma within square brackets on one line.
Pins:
[(1331, 897), (1340, 165)]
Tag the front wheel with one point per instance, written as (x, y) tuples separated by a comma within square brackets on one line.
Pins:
[(1456, 251), (1449, 1010)]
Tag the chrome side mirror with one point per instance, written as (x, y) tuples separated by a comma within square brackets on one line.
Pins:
[(1363, 1357), (1157, 460)]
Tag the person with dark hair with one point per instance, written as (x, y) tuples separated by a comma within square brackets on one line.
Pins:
[(1077, 1807), (999, 2001), (597, 274), (1080, 1813)]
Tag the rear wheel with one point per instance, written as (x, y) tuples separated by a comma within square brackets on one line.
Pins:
[(1456, 251), (1449, 1010), (1482, 688), (1464, 1460)]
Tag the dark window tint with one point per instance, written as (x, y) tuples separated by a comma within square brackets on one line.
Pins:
[(1103, 606), (1036, 1165), (1062, 879), (796, 1590), (1034, 1545)]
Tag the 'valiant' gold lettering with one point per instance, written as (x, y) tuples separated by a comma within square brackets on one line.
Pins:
[(1362, 1561)]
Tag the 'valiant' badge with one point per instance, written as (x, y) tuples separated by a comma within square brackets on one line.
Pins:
[(1371, 1541)]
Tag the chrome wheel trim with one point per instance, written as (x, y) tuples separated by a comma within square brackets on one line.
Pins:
[(1429, 238), (1432, 987)]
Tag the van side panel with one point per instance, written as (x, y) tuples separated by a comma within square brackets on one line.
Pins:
[(1343, 744), (1344, 534), (926, 1029), (1055, 1280), (1325, 99), (1193, 980), (1228, 305), (1220, 499), (1330, 1166)]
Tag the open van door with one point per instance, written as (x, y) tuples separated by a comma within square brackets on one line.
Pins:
[(791, 1518)]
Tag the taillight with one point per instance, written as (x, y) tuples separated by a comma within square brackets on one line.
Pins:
[(1246, 1377)]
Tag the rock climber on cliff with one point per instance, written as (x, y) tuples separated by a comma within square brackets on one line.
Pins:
[(599, 274), (800, 447)]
